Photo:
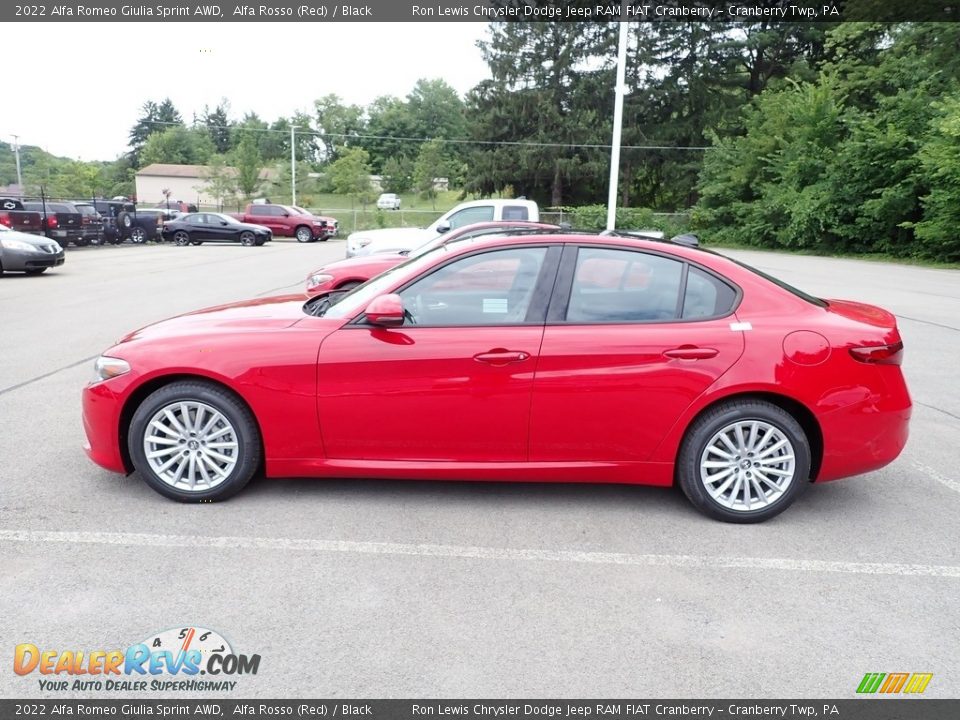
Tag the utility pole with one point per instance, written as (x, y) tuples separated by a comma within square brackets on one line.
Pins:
[(293, 166), (620, 90), (16, 153)]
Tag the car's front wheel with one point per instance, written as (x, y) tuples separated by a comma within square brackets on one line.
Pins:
[(304, 234), (193, 441), (744, 461), (247, 239)]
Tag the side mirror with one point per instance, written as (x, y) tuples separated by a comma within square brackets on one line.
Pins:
[(286, 214), (385, 310), (224, 222), (443, 227)]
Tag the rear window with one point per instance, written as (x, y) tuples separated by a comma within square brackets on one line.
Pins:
[(516, 212), (782, 285)]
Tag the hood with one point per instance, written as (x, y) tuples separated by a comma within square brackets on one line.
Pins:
[(393, 233), (35, 240), (268, 313)]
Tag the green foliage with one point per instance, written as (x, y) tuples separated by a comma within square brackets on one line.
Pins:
[(940, 157), (217, 122), (220, 181), (350, 175), (397, 175), (155, 118), (247, 160), (177, 145), (594, 217), (432, 163)]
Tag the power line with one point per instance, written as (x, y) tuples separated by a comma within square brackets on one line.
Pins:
[(454, 141)]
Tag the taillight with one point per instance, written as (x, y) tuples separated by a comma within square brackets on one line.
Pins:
[(879, 354), (52, 221), (5, 219), (85, 219)]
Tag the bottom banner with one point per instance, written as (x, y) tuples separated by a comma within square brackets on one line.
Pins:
[(876, 709)]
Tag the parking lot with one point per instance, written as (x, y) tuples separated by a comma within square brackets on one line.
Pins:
[(406, 589)]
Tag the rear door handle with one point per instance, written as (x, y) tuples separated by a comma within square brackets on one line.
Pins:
[(501, 356), (691, 352)]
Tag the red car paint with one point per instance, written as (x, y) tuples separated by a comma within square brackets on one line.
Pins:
[(547, 401)]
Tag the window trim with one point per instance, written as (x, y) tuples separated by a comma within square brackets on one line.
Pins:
[(557, 312), (539, 300)]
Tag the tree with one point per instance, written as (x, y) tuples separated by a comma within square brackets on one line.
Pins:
[(220, 180), (350, 175), (338, 123), (940, 157), (248, 162), (432, 163), (217, 123), (397, 175), (154, 118), (177, 145)]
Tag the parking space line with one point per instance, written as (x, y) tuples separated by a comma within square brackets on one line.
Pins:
[(11, 388), (935, 475), (199, 542)]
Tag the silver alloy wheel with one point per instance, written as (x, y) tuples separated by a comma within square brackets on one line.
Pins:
[(191, 446), (748, 465), (137, 235), (304, 235), (247, 239), (181, 238)]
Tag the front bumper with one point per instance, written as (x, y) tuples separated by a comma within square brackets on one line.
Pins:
[(101, 425)]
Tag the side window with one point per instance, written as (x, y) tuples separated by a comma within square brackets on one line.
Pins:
[(493, 288), (624, 286), (200, 219), (467, 216), (706, 296), (262, 211), (516, 212)]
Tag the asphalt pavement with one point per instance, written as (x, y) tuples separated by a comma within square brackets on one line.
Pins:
[(418, 589)]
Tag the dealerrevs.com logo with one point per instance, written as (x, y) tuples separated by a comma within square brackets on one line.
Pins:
[(171, 660)]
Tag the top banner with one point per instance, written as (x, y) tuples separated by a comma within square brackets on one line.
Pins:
[(487, 11)]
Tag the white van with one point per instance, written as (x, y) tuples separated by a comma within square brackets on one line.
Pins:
[(370, 242)]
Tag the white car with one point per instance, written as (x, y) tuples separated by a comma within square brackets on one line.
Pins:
[(388, 201), (371, 242)]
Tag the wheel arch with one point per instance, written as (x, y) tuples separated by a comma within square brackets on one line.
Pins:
[(800, 412), (152, 385)]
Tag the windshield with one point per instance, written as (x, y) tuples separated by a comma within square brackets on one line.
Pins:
[(298, 210), (230, 220)]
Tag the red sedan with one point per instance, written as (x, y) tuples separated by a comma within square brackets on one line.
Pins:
[(347, 274), (556, 358)]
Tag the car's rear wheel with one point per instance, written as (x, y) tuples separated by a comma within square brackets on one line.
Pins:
[(193, 441), (304, 234), (181, 238), (138, 235), (247, 239), (744, 461)]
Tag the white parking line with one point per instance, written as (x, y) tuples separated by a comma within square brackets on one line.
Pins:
[(201, 542), (939, 477)]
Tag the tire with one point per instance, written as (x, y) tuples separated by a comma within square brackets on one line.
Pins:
[(757, 432), (34, 271), (181, 238), (199, 472), (303, 234), (82, 243), (138, 235), (196, 242), (247, 239), (125, 220)]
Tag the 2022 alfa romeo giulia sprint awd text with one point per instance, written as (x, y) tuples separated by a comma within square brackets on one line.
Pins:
[(555, 358)]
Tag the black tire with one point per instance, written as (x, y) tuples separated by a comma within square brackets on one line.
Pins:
[(303, 234), (85, 242), (248, 239), (196, 242), (712, 422), (181, 238), (125, 220), (34, 271), (138, 235), (259, 242), (248, 452)]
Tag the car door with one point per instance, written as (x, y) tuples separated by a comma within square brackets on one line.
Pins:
[(219, 229), (198, 227), (451, 384), (632, 339)]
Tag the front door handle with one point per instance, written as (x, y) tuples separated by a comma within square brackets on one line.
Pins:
[(691, 352), (501, 356)]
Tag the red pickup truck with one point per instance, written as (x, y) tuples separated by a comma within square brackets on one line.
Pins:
[(289, 221)]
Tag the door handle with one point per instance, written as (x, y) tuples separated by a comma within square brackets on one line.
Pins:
[(691, 352), (501, 356)]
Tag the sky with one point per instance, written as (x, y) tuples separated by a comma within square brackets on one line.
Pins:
[(272, 69)]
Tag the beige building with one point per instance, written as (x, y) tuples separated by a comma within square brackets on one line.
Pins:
[(184, 183)]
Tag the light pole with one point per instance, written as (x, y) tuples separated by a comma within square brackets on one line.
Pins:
[(16, 153), (620, 90), (293, 167)]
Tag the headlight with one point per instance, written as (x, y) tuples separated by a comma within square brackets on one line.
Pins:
[(109, 367), (18, 245), (317, 280)]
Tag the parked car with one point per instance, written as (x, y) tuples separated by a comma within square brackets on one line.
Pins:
[(63, 220), (179, 206), (529, 358), (369, 242), (347, 274), (287, 221), (28, 253), (91, 222), (15, 217), (333, 226), (388, 201), (198, 228), (110, 211)]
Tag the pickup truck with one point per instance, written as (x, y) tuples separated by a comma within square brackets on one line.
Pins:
[(14, 216), (289, 221), (369, 242), (64, 221)]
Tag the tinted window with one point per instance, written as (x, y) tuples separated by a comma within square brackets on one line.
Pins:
[(706, 296), (516, 212), (196, 219), (493, 288), (623, 286), (467, 216), (265, 210)]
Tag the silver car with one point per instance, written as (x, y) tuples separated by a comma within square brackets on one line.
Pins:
[(32, 254)]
